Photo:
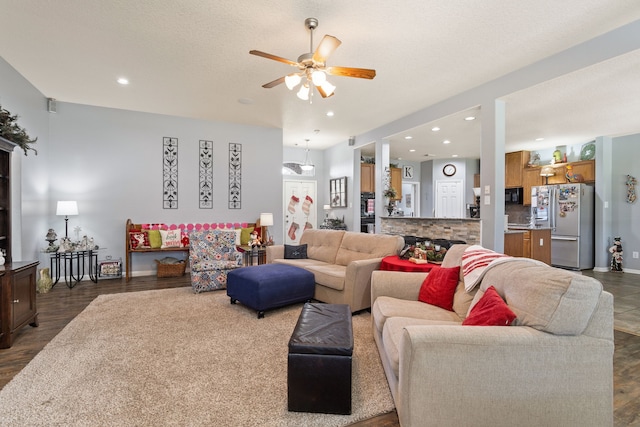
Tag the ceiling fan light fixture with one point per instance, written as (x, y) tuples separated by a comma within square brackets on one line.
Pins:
[(292, 80), (328, 88), (318, 77), (303, 93)]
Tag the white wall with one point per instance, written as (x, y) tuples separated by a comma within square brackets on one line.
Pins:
[(110, 161)]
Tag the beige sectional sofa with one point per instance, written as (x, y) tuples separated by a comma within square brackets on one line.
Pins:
[(342, 263), (552, 367)]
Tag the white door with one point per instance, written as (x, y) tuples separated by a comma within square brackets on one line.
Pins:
[(410, 203), (449, 199), (300, 209)]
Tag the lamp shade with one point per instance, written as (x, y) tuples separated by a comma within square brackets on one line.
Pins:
[(547, 171), (67, 208), (266, 219)]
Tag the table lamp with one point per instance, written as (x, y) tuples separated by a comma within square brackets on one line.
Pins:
[(67, 208), (266, 219), (546, 172)]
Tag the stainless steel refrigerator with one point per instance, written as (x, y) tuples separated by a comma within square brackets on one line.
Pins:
[(568, 210)]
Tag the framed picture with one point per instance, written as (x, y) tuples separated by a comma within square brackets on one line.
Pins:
[(338, 192)]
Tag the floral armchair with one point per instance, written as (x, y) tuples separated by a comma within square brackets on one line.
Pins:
[(212, 254)]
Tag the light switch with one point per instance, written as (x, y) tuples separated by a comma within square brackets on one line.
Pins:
[(487, 200), (487, 189)]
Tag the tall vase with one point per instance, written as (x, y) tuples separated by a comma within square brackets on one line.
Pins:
[(44, 282)]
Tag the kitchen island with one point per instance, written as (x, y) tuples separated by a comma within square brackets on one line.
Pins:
[(528, 242), (465, 229)]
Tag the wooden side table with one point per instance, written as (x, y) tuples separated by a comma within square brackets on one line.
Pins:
[(17, 299)]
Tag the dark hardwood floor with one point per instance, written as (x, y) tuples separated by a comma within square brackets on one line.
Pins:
[(58, 307)]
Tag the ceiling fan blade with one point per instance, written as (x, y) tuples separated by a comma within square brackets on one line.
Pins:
[(323, 93), (276, 82), (275, 58), (325, 48), (361, 73)]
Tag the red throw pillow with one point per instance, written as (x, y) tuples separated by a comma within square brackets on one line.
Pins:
[(439, 286), (490, 310)]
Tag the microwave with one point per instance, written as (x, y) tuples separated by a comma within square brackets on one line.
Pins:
[(513, 196)]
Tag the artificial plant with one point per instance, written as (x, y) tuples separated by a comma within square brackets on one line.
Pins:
[(11, 131)]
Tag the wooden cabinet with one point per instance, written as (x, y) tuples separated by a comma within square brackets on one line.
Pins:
[(396, 181), (367, 178), (513, 243), (530, 178), (587, 169), (540, 244), (529, 243), (514, 163), (17, 299), (6, 147)]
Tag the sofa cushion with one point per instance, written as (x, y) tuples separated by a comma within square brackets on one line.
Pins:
[(295, 252), (329, 275), (439, 286), (386, 307), (357, 246), (322, 245), (392, 336), (555, 301), (491, 310)]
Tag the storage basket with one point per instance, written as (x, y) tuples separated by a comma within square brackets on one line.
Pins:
[(171, 270)]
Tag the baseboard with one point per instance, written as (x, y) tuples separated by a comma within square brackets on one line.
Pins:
[(624, 270)]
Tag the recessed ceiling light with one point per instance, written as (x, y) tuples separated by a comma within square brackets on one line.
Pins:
[(539, 139), (446, 141), (408, 137), (412, 150), (123, 81), (469, 118), (454, 155), (330, 113), (435, 129)]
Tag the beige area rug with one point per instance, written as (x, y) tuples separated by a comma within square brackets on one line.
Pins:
[(171, 357)]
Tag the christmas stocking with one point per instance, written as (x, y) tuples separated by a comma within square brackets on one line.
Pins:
[(292, 204), (292, 230), (307, 225), (306, 205)]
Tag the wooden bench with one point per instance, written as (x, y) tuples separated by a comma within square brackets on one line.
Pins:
[(131, 227)]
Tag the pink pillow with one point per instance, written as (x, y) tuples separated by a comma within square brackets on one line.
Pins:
[(439, 287), (490, 310)]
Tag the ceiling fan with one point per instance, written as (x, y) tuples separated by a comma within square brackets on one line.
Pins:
[(313, 67)]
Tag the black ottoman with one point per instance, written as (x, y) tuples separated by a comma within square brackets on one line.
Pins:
[(319, 362), (268, 286)]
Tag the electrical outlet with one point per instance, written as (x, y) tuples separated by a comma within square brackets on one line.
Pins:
[(635, 254), (541, 242)]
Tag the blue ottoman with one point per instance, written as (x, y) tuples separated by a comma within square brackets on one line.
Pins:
[(267, 286)]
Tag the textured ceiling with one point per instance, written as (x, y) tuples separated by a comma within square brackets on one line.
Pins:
[(190, 58)]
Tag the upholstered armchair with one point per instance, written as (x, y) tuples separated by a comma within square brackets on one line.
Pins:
[(212, 255)]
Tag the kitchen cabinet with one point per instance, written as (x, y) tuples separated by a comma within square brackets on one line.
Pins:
[(530, 178), (587, 169), (367, 178), (514, 164), (513, 243), (17, 299), (529, 243), (396, 181)]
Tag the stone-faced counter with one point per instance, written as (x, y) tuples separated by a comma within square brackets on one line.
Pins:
[(467, 229)]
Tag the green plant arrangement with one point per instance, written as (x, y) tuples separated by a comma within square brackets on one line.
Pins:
[(11, 131), (390, 193)]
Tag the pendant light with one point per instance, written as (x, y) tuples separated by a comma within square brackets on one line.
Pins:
[(306, 166)]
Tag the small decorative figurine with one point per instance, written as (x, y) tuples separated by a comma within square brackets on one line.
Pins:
[(616, 254), (51, 237), (44, 283), (254, 240)]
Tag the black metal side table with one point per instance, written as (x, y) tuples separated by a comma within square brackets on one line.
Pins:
[(74, 263)]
